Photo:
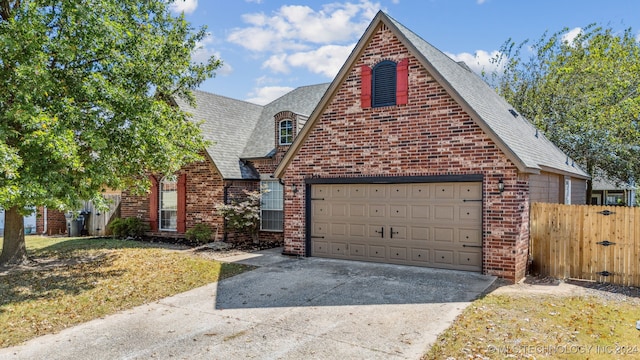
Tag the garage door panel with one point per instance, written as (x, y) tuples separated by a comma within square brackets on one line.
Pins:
[(320, 191), (470, 213), (377, 251), (471, 191), (421, 191), (357, 191), (420, 212), (338, 248), (377, 191), (320, 229), (444, 212), (377, 210), (470, 236), (469, 258), (397, 253), (358, 230), (397, 233), (425, 224), (398, 211), (357, 250), (357, 210), (442, 234), (445, 191), (398, 191), (443, 257), (420, 255), (338, 209), (320, 248), (420, 233), (320, 209)]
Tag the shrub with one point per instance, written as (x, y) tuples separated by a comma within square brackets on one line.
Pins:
[(128, 227), (244, 214), (201, 233)]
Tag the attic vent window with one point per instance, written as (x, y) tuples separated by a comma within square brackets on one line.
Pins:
[(514, 113), (384, 84)]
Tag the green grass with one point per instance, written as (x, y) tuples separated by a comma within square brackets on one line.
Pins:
[(80, 279), (542, 327)]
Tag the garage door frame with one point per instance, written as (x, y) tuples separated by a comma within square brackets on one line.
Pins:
[(383, 180)]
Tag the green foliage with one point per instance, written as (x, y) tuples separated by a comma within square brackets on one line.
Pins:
[(128, 227), (243, 214), (200, 233), (87, 100), (583, 93)]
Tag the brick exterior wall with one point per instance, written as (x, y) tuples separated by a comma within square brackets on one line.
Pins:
[(204, 189), (431, 135), (56, 222)]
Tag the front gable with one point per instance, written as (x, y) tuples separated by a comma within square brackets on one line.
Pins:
[(426, 131)]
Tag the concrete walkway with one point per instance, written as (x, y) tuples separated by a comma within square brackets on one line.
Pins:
[(288, 308)]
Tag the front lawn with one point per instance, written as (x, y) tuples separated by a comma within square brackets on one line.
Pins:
[(534, 326), (74, 280)]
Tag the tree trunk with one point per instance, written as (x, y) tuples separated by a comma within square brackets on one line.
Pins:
[(14, 251)]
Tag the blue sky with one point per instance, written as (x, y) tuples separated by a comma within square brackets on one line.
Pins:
[(270, 47)]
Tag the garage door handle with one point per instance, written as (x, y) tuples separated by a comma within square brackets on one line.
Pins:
[(476, 246), (381, 232), (317, 237), (392, 232)]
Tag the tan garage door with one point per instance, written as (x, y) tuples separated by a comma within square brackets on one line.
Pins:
[(425, 224)]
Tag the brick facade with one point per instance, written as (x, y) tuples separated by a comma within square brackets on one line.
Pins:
[(56, 222), (204, 189), (430, 135)]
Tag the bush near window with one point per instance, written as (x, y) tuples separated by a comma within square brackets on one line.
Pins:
[(128, 227), (200, 233), (244, 214)]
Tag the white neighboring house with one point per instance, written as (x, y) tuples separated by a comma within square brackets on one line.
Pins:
[(29, 223)]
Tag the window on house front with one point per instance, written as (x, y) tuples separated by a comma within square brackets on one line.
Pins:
[(168, 203), (286, 132), (384, 84), (271, 206)]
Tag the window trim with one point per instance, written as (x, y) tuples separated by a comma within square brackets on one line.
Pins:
[(280, 202), (289, 131), (161, 191)]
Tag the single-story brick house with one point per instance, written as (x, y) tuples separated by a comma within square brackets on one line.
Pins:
[(406, 157)]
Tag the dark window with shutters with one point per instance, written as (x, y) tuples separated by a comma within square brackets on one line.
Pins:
[(384, 84)]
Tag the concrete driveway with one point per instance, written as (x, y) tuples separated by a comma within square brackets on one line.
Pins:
[(288, 308)]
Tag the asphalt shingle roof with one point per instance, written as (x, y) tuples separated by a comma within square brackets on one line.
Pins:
[(227, 123), (242, 130), (519, 135)]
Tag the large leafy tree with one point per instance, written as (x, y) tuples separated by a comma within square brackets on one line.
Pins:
[(583, 91), (86, 102)]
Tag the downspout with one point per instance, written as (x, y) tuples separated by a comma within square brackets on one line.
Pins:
[(225, 200), (44, 230)]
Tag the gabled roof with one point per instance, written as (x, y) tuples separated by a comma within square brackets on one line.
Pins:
[(301, 101), (527, 148), (240, 130)]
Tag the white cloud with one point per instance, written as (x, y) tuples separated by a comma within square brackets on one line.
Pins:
[(480, 2), (479, 62), (325, 60), (277, 63), (254, 1), (298, 27), (571, 35), (186, 6), (267, 94)]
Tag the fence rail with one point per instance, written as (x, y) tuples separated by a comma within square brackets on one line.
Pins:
[(597, 243)]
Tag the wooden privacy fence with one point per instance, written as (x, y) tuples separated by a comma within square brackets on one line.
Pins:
[(597, 243), (97, 220)]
